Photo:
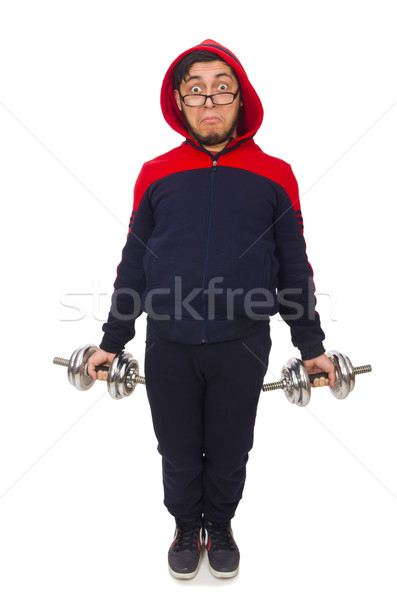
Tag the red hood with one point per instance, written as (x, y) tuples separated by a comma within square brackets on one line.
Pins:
[(251, 113)]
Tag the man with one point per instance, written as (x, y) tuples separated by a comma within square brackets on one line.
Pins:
[(214, 249)]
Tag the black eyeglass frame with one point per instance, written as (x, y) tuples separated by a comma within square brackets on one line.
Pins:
[(205, 96)]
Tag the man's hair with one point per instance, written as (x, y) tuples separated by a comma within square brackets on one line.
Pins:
[(182, 69)]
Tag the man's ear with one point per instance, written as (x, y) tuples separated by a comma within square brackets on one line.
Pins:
[(178, 99)]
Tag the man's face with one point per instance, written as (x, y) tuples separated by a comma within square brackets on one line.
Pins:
[(211, 125)]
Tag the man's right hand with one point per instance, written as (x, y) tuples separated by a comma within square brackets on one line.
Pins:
[(100, 357)]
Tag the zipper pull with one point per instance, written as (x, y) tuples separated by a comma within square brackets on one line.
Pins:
[(214, 163)]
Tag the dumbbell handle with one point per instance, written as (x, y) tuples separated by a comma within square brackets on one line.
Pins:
[(314, 376), (64, 362), (279, 385)]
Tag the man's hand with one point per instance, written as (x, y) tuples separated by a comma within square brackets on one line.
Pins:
[(100, 357), (317, 365)]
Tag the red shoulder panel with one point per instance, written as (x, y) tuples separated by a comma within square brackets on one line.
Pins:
[(182, 158), (250, 157)]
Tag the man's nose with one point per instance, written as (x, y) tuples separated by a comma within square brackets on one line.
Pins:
[(211, 104)]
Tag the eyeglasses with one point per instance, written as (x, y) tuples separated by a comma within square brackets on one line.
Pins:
[(220, 98)]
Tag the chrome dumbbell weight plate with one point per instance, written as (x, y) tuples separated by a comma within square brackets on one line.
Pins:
[(121, 377), (77, 368), (345, 375), (123, 373), (296, 382)]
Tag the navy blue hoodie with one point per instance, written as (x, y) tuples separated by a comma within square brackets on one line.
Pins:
[(215, 244)]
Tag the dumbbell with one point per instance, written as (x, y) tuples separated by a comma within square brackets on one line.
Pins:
[(295, 381), (123, 373)]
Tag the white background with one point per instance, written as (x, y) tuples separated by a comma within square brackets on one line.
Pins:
[(80, 480)]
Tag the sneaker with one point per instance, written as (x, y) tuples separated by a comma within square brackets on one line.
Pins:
[(223, 553), (184, 552)]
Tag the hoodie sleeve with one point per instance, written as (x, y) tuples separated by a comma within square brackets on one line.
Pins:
[(130, 282), (296, 288)]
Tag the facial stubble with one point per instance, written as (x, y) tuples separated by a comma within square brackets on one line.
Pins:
[(215, 138)]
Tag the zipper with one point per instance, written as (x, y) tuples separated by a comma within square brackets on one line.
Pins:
[(204, 325), (213, 171)]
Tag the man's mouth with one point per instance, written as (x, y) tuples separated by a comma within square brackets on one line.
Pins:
[(210, 120)]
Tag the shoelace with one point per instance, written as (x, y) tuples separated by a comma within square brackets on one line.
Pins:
[(187, 535), (221, 536)]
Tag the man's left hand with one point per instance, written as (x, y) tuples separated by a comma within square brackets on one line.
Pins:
[(317, 365)]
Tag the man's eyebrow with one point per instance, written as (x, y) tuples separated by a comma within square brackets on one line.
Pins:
[(198, 76)]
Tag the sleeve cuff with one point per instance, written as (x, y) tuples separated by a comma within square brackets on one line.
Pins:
[(312, 351), (109, 346)]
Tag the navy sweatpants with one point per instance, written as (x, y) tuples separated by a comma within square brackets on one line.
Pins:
[(203, 400)]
